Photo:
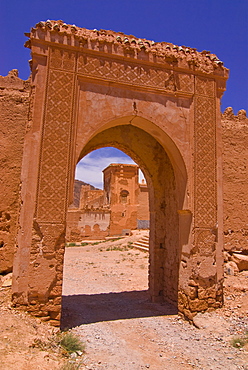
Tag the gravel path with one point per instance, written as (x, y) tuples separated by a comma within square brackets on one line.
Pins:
[(105, 302)]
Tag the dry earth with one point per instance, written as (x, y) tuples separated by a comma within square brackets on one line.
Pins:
[(105, 303)]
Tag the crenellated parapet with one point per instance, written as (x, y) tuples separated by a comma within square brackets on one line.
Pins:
[(229, 115)]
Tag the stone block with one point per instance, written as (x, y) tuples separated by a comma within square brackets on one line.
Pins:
[(188, 314), (206, 293), (7, 280), (54, 323), (241, 260), (226, 256), (55, 315), (198, 305), (182, 300), (231, 268), (193, 292)]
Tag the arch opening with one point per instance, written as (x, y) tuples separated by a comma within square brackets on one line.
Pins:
[(110, 195), (164, 202), (107, 269), (91, 95)]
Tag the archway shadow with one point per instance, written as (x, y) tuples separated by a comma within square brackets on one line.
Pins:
[(90, 308)]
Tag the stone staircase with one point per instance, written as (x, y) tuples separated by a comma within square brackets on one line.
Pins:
[(142, 244)]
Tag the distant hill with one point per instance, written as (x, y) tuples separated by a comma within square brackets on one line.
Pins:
[(77, 189)]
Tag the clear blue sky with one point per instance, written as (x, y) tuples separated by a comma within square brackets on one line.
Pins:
[(220, 26)]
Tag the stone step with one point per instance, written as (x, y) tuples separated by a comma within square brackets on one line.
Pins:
[(145, 249), (143, 239), (142, 244)]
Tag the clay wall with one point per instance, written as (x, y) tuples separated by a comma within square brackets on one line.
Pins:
[(91, 198), (235, 177), (159, 103), (82, 223), (95, 224), (14, 103), (143, 215), (72, 230), (122, 205), (90, 220), (121, 183), (235, 190)]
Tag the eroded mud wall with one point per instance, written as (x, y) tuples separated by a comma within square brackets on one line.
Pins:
[(14, 102), (235, 177)]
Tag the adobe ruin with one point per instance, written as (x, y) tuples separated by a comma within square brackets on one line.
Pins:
[(157, 102), (121, 207), (14, 106)]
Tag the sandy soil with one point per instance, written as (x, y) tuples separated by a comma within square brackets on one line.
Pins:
[(105, 303), (18, 334)]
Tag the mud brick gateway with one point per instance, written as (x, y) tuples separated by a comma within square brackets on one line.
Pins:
[(160, 104)]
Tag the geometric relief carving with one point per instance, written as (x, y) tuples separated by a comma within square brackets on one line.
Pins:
[(205, 86), (62, 59), (205, 240), (52, 189), (126, 72), (185, 82), (205, 162), (121, 71)]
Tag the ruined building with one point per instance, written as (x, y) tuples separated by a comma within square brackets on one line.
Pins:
[(160, 104), (121, 207)]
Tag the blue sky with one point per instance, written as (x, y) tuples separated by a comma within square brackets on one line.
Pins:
[(91, 166), (220, 26)]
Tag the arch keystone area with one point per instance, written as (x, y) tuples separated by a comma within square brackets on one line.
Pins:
[(161, 105)]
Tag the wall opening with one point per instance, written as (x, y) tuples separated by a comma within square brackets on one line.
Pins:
[(110, 197), (110, 201), (89, 93), (163, 269)]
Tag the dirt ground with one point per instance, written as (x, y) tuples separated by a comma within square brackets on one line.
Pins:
[(105, 303)]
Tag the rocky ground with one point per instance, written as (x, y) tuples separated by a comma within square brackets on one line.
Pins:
[(105, 303)]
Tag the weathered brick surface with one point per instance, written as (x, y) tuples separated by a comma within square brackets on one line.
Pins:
[(160, 104), (14, 102), (199, 292), (235, 175)]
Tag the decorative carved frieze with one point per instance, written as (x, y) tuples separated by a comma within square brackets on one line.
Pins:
[(204, 86), (115, 43), (52, 190), (205, 162), (62, 59), (126, 72), (185, 82), (122, 71)]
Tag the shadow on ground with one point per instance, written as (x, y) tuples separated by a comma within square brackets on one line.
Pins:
[(87, 309)]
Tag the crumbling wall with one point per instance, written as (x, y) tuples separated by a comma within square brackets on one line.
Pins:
[(91, 198), (87, 223), (14, 103), (235, 178), (122, 189), (143, 215)]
